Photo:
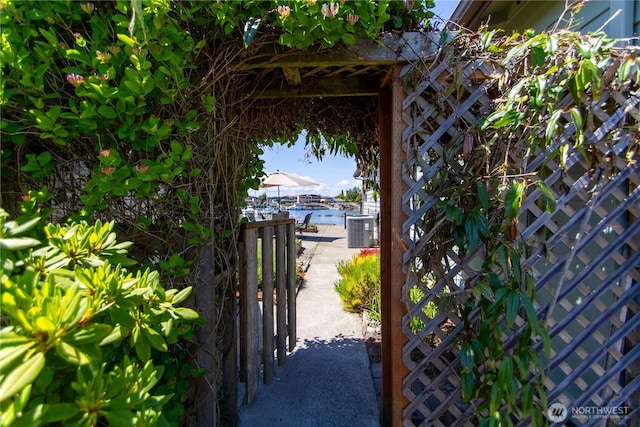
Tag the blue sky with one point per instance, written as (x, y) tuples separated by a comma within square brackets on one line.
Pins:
[(333, 173)]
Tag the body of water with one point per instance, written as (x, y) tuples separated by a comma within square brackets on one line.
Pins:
[(322, 216)]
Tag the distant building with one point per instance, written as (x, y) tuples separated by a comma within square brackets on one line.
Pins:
[(309, 198), (370, 203)]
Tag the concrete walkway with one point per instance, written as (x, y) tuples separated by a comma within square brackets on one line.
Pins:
[(326, 380)]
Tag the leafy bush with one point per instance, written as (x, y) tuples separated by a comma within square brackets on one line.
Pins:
[(430, 310), (300, 273), (359, 287), (80, 333)]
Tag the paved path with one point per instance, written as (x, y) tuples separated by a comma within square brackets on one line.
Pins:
[(326, 380)]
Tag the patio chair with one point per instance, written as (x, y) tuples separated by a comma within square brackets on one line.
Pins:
[(303, 226)]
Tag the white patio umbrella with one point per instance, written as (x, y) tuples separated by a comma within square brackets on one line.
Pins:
[(277, 179)]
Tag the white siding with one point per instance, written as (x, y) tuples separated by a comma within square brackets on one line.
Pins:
[(543, 15)]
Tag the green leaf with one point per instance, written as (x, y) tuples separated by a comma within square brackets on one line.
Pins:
[(472, 235), (483, 195), (466, 356), (510, 118), (155, 339), (17, 243), (563, 152), (485, 290), (20, 377), (526, 400), (54, 412), (143, 350), (182, 295), (513, 200), (107, 112), (10, 338), (486, 38), (529, 309), (186, 313), (116, 334), (121, 417), (624, 71), (505, 373), (126, 40), (11, 353), (348, 38), (538, 56), (88, 334), (588, 73), (71, 354), (495, 400), (542, 395), (549, 197), (513, 302), (546, 341), (44, 324), (537, 420), (552, 126), (22, 228), (466, 380)]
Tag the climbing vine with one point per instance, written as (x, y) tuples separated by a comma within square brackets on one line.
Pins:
[(542, 86)]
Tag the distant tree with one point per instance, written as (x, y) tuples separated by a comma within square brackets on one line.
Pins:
[(353, 195)]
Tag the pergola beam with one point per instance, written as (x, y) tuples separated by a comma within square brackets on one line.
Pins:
[(393, 49), (323, 87)]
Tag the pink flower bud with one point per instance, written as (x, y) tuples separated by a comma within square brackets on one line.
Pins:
[(352, 19), (330, 11), (87, 7), (75, 79), (103, 56), (284, 11)]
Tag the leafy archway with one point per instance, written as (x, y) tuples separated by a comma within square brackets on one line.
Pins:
[(141, 113)]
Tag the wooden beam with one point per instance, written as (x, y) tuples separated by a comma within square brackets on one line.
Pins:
[(397, 217), (392, 49), (386, 197), (323, 87)]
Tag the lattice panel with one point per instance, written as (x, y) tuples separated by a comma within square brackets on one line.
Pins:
[(585, 254)]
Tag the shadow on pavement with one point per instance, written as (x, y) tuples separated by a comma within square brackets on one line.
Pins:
[(323, 383)]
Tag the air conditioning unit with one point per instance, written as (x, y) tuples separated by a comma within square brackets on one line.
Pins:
[(360, 231)]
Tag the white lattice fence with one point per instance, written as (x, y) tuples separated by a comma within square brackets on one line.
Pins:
[(584, 254)]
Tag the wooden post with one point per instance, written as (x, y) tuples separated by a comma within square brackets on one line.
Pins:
[(281, 303), (392, 251), (267, 303), (292, 272), (249, 315)]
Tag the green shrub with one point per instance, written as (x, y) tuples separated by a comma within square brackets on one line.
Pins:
[(359, 287), (300, 273), (80, 333), (430, 310)]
